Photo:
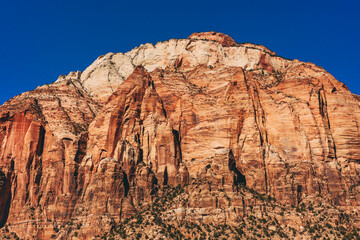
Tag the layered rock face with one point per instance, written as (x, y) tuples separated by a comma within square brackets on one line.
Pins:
[(205, 113)]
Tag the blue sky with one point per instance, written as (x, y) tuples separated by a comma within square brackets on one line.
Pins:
[(41, 40)]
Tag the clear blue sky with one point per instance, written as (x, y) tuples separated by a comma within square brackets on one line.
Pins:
[(41, 40)]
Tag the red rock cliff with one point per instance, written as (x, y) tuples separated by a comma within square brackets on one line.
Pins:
[(95, 148)]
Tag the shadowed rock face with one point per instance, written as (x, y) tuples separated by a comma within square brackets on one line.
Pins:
[(5, 199), (94, 148)]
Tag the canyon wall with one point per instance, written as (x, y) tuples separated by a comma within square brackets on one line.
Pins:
[(94, 148)]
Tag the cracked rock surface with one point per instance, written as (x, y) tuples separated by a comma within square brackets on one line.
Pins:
[(226, 122)]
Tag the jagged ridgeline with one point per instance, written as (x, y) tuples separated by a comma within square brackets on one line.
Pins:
[(192, 138)]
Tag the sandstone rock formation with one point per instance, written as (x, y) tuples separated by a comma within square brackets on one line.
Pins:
[(235, 126)]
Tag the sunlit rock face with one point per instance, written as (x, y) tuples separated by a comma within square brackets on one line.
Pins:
[(102, 78), (95, 147)]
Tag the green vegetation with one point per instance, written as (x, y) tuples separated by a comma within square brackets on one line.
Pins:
[(159, 220)]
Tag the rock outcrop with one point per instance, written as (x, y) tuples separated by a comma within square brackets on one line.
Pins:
[(234, 126), (221, 38)]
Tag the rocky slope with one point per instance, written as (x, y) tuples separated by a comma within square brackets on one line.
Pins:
[(200, 132)]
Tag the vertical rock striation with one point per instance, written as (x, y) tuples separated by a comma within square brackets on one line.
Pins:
[(95, 148)]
